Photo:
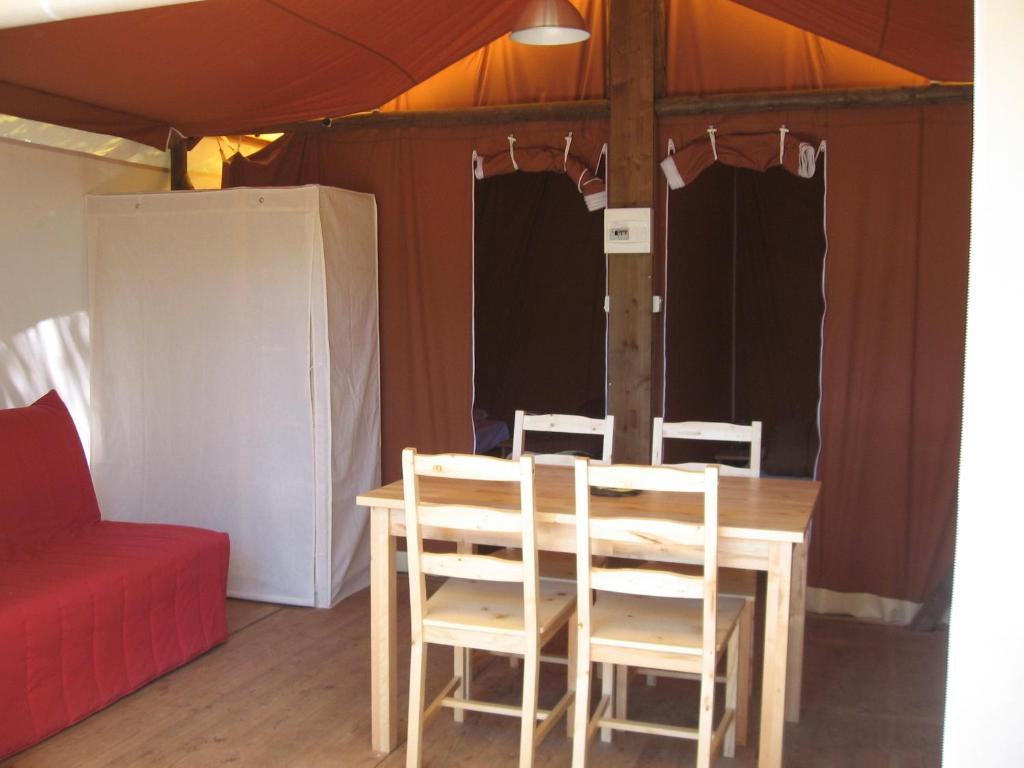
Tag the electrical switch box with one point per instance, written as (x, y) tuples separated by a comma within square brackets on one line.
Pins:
[(627, 230)]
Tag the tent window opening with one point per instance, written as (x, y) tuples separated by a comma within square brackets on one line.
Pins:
[(539, 324), (744, 315)]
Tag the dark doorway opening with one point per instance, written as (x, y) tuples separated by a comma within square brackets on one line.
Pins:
[(746, 254), (539, 282)]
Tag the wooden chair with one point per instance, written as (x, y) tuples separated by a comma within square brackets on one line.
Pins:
[(488, 603), (709, 430), (655, 619), (563, 424), (558, 565), (734, 582)]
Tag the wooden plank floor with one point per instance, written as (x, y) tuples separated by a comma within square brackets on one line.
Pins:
[(290, 688)]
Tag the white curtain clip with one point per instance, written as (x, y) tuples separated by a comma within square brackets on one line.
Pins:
[(711, 134), (783, 130), (565, 155), (512, 150), (671, 147)]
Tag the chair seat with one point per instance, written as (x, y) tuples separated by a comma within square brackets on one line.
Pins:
[(496, 607), (658, 624)]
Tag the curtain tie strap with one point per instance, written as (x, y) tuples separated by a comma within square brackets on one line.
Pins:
[(565, 155), (711, 135), (512, 150), (783, 130)]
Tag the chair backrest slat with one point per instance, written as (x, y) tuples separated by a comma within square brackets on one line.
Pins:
[(563, 424), (650, 532), (469, 518), (467, 467), (642, 478), (713, 431), (469, 566), (637, 581)]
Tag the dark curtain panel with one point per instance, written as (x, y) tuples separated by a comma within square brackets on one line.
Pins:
[(539, 290), (746, 254), (698, 308)]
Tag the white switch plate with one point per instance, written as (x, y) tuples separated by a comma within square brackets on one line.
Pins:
[(627, 230)]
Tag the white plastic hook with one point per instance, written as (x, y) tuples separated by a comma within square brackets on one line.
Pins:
[(783, 130)]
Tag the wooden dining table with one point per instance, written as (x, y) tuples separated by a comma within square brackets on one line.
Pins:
[(763, 525)]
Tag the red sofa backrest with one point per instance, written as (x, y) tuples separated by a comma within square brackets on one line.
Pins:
[(45, 486)]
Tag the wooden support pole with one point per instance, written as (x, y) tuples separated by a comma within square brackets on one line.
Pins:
[(178, 147), (631, 168)]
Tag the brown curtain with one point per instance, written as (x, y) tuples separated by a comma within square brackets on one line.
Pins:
[(541, 159), (424, 184), (897, 227)]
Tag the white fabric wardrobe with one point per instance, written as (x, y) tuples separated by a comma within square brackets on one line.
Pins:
[(235, 376)]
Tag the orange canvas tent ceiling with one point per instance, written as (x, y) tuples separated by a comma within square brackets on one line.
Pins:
[(234, 66)]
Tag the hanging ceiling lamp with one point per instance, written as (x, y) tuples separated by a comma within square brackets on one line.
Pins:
[(549, 22)]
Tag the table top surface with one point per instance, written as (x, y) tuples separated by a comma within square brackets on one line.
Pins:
[(773, 509)]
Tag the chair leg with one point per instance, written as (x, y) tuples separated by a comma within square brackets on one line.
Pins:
[(607, 689), (621, 690), (528, 728), (417, 682), (570, 672), (732, 662), (581, 707), (705, 727), (746, 630), (463, 671)]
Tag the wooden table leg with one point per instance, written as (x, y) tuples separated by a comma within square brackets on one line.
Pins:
[(797, 614), (776, 643), (383, 634)]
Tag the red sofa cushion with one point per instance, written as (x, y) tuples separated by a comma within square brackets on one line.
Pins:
[(88, 618), (90, 610), (47, 489)]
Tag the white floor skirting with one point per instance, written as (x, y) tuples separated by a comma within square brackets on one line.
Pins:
[(861, 605)]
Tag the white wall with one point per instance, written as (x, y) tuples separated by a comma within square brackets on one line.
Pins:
[(985, 688), (44, 325)]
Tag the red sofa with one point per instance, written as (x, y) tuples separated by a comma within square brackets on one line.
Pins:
[(90, 610)]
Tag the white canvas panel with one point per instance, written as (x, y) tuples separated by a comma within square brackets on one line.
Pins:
[(201, 379), (349, 222)]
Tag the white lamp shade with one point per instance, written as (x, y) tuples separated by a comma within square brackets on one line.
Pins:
[(549, 22)]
